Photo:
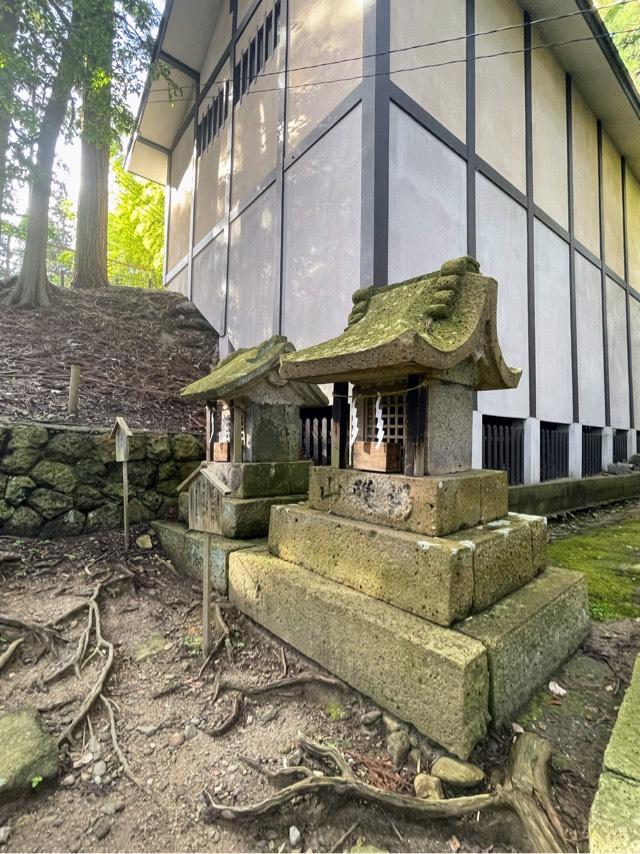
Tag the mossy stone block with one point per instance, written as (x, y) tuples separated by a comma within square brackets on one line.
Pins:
[(429, 577), (431, 676), (69, 525), (528, 635), (142, 473), (27, 754), (104, 518), (187, 447), (159, 448), (24, 522), (185, 549), (50, 503), (622, 755), (27, 436), (70, 447), (19, 488), (502, 558), (424, 505), (20, 461), (261, 480), (538, 526), (614, 822), (138, 512), (243, 518), (57, 476), (87, 497), (6, 510), (90, 471)]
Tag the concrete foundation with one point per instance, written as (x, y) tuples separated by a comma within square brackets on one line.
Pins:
[(424, 505), (447, 682), (528, 635), (614, 823), (433, 677), (185, 549)]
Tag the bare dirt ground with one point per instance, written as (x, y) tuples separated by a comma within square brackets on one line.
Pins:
[(136, 350), (159, 698)]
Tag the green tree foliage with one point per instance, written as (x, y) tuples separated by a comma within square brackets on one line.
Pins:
[(618, 19), (136, 230)]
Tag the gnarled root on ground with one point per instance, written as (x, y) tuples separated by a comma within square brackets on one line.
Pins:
[(526, 790)]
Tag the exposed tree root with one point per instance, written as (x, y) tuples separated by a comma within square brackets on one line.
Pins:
[(233, 716), (307, 677), (526, 791), (46, 634), (223, 636), (7, 654), (102, 646), (109, 704), (10, 557)]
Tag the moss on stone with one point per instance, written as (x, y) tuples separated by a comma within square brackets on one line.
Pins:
[(239, 370), (610, 560)]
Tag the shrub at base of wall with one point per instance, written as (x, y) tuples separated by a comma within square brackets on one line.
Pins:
[(61, 482)]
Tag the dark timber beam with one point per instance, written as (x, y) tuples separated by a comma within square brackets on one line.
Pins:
[(163, 56)]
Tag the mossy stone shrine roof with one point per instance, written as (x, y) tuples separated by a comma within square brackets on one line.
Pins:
[(442, 324), (253, 374)]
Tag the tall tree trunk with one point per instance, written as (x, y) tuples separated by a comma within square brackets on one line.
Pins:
[(31, 287), (8, 30), (90, 263)]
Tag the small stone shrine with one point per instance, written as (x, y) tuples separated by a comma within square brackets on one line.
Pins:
[(405, 574), (253, 457)]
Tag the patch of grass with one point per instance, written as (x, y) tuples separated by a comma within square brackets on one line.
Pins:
[(610, 560), (335, 711), (193, 643)]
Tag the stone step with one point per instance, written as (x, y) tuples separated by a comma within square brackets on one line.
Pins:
[(243, 518), (264, 480), (433, 677), (445, 681), (424, 505), (439, 579), (185, 549), (528, 635)]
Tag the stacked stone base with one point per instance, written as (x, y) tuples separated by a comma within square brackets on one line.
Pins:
[(448, 629)]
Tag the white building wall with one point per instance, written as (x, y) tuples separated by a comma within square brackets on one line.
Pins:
[(427, 200), (208, 283), (553, 327), (322, 234), (253, 276), (502, 253), (618, 358), (589, 343)]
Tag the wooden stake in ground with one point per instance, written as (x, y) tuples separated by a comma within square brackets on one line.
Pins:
[(122, 434), (206, 596), (74, 388)]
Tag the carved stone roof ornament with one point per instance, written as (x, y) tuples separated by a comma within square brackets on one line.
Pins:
[(441, 325), (251, 375)]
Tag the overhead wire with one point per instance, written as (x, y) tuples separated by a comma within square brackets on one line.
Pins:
[(420, 67), (419, 46)]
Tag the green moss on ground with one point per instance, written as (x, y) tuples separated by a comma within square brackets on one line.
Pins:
[(610, 560)]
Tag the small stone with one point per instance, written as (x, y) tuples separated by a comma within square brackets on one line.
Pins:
[(149, 729), (100, 768), (271, 834), (68, 781), (190, 731), (5, 833), (110, 806), (398, 746), (390, 723), (371, 718), (176, 740), (144, 542), (101, 828), (95, 748), (75, 845), (415, 755), (428, 788), (456, 773), (295, 837)]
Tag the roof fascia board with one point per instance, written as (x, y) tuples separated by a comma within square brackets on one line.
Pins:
[(610, 51)]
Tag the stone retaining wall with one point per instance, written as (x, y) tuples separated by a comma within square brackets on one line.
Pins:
[(60, 481), (558, 496)]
